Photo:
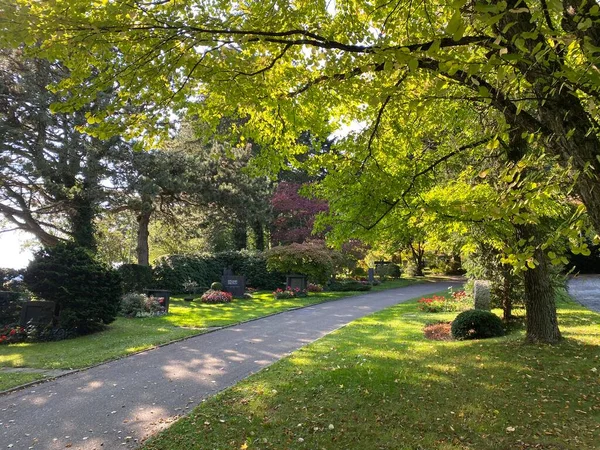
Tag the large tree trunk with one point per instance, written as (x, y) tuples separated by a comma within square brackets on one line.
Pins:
[(240, 235), (82, 220), (506, 294), (540, 306), (142, 249), (259, 235), (417, 256)]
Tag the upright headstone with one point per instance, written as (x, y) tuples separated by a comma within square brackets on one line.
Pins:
[(39, 314), (163, 296), (481, 295), (296, 281), (234, 284), (371, 275)]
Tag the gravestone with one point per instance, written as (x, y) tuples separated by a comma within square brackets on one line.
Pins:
[(296, 281), (234, 284), (39, 314), (481, 295), (371, 275), (163, 296)]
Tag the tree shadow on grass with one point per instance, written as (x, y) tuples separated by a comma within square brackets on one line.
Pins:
[(380, 384)]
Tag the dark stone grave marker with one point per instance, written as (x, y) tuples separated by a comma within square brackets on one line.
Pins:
[(163, 296), (371, 275), (296, 281), (39, 314), (234, 284)]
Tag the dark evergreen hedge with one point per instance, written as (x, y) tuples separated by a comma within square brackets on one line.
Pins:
[(348, 286), (170, 272), (86, 291), (135, 278)]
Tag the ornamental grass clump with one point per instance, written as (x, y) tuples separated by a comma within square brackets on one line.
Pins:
[(214, 296), (476, 324)]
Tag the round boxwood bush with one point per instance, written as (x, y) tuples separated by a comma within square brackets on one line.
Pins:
[(476, 324), (86, 292), (216, 286)]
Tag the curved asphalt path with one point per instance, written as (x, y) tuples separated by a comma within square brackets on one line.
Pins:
[(118, 404), (586, 290)]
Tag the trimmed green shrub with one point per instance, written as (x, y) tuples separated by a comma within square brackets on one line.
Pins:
[(388, 270), (476, 324), (171, 272), (346, 286), (312, 259), (135, 277), (86, 292), (217, 286), (11, 304)]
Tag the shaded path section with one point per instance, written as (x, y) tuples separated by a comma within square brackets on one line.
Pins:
[(586, 290), (118, 404)]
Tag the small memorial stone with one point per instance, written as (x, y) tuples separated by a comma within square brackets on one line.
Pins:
[(371, 275), (482, 295)]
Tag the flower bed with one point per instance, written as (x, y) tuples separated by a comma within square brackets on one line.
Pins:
[(314, 287), (288, 292), (12, 335), (458, 301), (213, 296)]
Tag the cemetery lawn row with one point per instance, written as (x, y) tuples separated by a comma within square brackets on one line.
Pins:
[(127, 336), (378, 383)]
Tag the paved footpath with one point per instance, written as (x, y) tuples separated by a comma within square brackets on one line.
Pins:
[(586, 290), (118, 404)]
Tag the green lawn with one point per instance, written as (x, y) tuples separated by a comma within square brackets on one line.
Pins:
[(16, 379), (126, 336), (379, 384)]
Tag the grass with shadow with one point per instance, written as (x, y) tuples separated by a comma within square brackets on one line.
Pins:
[(127, 336), (378, 383)]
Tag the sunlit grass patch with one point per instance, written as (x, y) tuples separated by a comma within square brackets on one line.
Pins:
[(378, 383), (127, 336)]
